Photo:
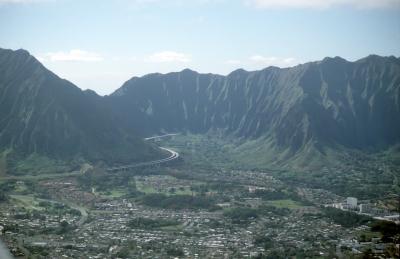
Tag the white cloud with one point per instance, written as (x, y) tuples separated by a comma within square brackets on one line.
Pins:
[(289, 60), (168, 56), (272, 61), (262, 59), (73, 55), (323, 4), (259, 61)]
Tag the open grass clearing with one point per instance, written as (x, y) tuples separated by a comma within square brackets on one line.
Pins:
[(290, 204), (27, 201)]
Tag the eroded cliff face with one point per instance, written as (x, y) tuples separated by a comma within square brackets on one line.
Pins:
[(327, 103), (42, 113), (333, 101)]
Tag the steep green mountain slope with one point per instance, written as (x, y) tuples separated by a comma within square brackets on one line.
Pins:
[(300, 114), (41, 113), (326, 104)]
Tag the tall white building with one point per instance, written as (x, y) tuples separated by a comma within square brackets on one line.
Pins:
[(351, 202)]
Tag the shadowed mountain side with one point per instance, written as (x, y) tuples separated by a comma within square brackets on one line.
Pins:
[(314, 108), (42, 113)]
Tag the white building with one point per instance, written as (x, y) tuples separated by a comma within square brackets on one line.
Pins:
[(351, 202)]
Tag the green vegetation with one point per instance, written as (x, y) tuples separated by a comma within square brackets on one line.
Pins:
[(3, 196), (146, 223), (114, 193), (165, 184), (51, 207), (198, 186), (145, 188), (264, 241), (241, 215), (347, 173), (270, 195), (346, 218), (290, 204), (38, 177), (43, 252), (171, 191), (389, 230), (63, 228), (36, 208), (3, 163), (175, 251), (36, 164), (365, 176), (108, 185), (203, 151), (268, 210), (367, 235), (178, 202), (27, 201)]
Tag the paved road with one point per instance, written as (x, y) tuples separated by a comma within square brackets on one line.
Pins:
[(162, 136), (173, 155), (84, 214)]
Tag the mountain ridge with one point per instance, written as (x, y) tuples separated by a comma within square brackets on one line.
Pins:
[(366, 58), (317, 105), (327, 102), (42, 113)]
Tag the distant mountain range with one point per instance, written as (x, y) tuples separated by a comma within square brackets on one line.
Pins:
[(323, 104)]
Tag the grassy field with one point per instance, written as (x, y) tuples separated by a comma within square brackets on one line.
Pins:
[(115, 193), (290, 204), (20, 188), (149, 190), (37, 164), (202, 150), (27, 201), (39, 177), (165, 184), (145, 188)]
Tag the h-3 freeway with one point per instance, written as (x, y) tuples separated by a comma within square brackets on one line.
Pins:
[(173, 155)]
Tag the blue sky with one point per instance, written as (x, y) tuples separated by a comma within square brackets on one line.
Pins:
[(101, 44)]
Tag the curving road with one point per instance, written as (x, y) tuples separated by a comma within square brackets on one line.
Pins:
[(162, 136), (173, 155)]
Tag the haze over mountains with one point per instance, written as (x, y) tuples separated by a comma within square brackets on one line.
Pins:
[(325, 104)]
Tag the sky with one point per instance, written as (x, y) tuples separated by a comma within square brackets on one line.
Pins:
[(100, 44)]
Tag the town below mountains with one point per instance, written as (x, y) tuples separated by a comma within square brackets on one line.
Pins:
[(297, 162)]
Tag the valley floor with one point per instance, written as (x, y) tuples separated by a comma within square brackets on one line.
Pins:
[(203, 206)]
